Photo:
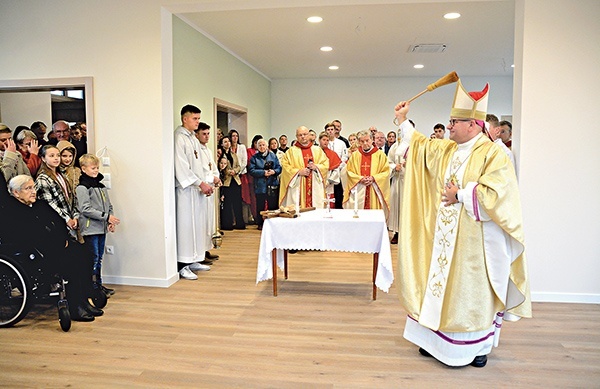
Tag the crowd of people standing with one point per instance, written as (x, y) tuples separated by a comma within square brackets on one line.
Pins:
[(54, 188)]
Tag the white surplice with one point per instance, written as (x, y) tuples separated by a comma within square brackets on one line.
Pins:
[(190, 201)]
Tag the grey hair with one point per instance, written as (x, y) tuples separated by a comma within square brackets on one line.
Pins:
[(25, 134), (61, 121), (18, 182), (362, 133)]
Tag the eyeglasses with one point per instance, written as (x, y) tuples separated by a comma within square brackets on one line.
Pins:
[(29, 188), (452, 122)]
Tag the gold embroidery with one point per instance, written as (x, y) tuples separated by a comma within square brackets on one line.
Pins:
[(454, 168), (446, 225)]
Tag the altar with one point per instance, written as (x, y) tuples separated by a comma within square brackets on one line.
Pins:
[(333, 230)]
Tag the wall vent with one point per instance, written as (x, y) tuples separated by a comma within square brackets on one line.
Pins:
[(428, 48)]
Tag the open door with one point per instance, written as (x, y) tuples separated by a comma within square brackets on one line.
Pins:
[(231, 116), (29, 100)]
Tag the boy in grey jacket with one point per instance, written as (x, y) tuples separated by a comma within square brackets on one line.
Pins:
[(96, 218)]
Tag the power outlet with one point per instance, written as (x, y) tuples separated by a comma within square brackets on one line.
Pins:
[(110, 250)]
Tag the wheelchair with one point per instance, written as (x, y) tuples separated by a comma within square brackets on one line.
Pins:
[(24, 281)]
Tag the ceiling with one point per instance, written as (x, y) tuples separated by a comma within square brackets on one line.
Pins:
[(368, 40)]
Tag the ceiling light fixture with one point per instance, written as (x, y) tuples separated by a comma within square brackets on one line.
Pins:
[(326, 48), (452, 15), (419, 66), (314, 19), (334, 67)]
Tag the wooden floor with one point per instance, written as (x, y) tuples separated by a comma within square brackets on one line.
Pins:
[(322, 331)]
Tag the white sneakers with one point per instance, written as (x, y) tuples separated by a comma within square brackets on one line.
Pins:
[(197, 266), (187, 274)]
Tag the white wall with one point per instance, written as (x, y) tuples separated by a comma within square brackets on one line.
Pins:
[(362, 102), (118, 44), (22, 109), (557, 109)]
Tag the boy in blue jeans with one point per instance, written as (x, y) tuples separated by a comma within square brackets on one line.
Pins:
[(96, 218)]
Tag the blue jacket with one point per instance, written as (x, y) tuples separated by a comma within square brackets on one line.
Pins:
[(257, 170)]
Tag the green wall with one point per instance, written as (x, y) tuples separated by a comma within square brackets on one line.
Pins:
[(202, 71)]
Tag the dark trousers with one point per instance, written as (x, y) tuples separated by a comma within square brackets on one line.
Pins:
[(231, 213), (265, 202), (75, 264), (338, 194)]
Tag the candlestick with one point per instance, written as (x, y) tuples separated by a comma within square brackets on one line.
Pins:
[(355, 202)]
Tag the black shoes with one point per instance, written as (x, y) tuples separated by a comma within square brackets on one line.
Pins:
[(210, 256), (92, 310), (107, 291), (394, 239), (479, 361), (80, 314)]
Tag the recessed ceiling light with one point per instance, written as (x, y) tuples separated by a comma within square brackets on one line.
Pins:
[(326, 48), (419, 66), (315, 19), (512, 66), (334, 67), (452, 15)]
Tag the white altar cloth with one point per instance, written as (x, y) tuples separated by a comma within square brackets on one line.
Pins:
[(312, 231)]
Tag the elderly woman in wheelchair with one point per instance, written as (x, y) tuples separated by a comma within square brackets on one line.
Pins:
[(35, 225)]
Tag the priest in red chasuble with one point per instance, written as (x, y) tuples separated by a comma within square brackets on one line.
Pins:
[(304, 168), (369, 174)]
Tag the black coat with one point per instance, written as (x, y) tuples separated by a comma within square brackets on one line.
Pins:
[(39, 227)]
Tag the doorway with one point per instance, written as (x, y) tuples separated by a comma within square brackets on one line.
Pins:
[(41, 100), (229, 116)]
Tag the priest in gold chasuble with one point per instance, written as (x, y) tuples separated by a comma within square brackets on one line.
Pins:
[(304, 168), (368, 175), (462, 267)]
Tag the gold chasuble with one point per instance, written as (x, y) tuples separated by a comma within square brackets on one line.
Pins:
[(299, 190), (461, 264), (374, 164)]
